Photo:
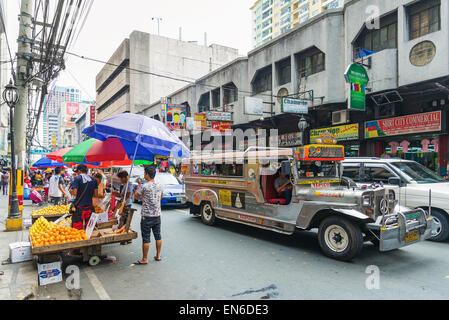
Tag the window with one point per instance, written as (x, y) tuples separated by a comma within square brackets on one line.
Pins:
[(352, 172), (378, 40), (311, 63), (230, 93), (424, 18), (263, 80), (221, 169), (378, 174), (284, 71), (204, 103)]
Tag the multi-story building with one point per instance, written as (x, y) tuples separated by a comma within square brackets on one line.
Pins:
[(147, 67), (59, 103), (271, 18), (404, 53)]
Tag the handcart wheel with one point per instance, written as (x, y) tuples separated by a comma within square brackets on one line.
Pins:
[(94, 260), (35, 261)]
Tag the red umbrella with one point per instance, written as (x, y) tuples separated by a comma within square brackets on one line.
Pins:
[(57, 155)]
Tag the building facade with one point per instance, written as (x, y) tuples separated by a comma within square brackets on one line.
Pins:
[(405, 55), (5, 76), (271, 18), (147, 67)]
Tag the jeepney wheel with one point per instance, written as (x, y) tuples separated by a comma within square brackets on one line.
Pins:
[(440, 226), (94, 260), (207, 214), (339, 238)]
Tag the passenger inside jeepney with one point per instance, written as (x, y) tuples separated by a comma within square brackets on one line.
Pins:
[(283, 187)]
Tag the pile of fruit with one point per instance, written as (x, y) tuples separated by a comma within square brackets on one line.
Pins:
[(44, 233), (67, 222), (53, 210)]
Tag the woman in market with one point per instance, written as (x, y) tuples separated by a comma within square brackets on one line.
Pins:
[(97, 201)]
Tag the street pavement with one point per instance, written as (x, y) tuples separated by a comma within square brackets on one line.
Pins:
[(231, 261)]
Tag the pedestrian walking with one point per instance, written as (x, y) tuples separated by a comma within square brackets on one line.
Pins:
[(5, 182), (151, 194), (56, 188), (83, 188)]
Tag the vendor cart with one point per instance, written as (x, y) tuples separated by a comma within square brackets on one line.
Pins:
[(91, 248)]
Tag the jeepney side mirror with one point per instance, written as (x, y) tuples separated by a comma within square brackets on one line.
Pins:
[(395, 181), (286, 168)]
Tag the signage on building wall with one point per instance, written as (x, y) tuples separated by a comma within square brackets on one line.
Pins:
[(53, 140), (200, 121), (290, 139), (175, 116), (423, 53), (416, 123), (93, 115), (221, 128), (295, 106), (219, 116), (357, 78), (341, 133), (253, 106), (72, 108)]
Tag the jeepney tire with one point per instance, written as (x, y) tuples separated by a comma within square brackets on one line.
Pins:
[(94, 260), (207, 214), (353, 233), (443, 219)]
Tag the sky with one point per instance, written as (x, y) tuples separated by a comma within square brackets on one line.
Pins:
[(227, 22)]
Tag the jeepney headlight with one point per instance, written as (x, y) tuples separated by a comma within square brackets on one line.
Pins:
[(366, 201)]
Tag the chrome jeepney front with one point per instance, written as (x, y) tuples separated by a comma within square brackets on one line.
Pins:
[(401, 229)]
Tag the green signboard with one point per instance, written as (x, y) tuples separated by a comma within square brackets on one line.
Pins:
[(357, 77), (295, 106)]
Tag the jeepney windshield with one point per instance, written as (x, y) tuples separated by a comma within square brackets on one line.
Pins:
[(417, 172), (313, 169)]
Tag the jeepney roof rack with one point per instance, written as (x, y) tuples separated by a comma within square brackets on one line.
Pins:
[(253, 148)]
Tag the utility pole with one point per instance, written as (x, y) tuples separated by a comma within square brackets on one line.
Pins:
[(24, 65), (158, 26)]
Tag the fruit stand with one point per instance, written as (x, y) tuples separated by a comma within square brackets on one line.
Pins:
[(51, 213), (50, 240)]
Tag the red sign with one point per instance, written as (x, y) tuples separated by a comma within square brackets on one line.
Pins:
[(423, 122), (92, 115), (221, 127), (73, 108)]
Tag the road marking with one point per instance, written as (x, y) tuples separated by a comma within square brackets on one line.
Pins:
[(182, 211), (101, 292)]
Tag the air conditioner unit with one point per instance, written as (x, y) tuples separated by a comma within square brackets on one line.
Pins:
[(340, 117)]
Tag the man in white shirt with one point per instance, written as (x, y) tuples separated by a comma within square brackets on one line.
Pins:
[(56, 187)]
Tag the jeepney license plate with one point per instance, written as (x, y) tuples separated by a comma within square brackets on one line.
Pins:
[(412, 236)]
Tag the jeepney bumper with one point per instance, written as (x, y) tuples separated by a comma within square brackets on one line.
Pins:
[(402, 229)]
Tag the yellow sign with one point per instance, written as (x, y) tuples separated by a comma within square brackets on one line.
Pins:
[(317, 181), (341, 133), (225, 197), (214, 182)]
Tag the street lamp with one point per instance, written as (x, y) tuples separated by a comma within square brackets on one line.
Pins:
[(11, 97), (302, 126)]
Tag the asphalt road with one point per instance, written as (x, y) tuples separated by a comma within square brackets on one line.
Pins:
[(232, 261)]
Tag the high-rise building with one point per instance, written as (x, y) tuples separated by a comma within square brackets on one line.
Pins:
[(271, 18), (61, 104)]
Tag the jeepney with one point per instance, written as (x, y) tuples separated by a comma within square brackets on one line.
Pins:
[(239, 187)]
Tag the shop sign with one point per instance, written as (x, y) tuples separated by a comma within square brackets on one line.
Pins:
[(357, 77), (416, 123), (253, 106), (422, 54), (92, 115), (219, 116), (295, 106), (200, 121), (340, 133), (175, 116), (290, 139), (318, 152), (221, 128)]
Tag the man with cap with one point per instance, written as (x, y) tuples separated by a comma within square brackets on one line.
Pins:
[(83, 188)]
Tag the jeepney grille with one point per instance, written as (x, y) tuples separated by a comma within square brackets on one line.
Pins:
[(378, 200)]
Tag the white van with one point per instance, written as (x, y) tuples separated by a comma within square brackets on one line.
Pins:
[(411, 183)]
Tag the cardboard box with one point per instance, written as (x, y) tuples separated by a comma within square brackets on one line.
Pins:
[(49, 273), (20, 252)]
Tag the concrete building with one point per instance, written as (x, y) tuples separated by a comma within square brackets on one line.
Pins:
[(147, 67), (271, 18), (406, 58), (80, 124), (5, 76)]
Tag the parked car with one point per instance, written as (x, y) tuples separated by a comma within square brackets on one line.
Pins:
[(174, 193), (411, 182)]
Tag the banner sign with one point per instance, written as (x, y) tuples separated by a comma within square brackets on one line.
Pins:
[(290, 139), (200, 121), (357, 77), (175, 116), (416, 123), (341, 133), (93, 115), (253, 106), (219, 116), (73, 108), (295, 106), (319, 152), (221, 128)]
